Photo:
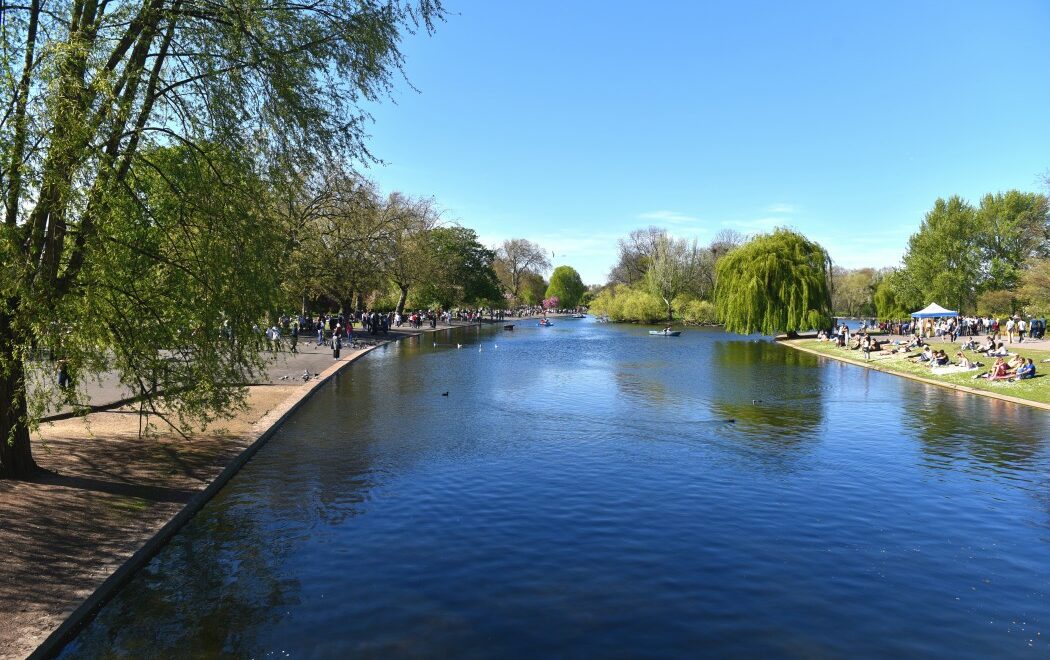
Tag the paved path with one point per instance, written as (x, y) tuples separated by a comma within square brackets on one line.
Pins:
[(105, 390)]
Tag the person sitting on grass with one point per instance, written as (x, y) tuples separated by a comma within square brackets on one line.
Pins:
[(965, 362), (915, 342), (822, 336), (925, 356), (989, 345), (1026, 370), (940, 359), (969, 345), (999, 371), (999, 350)]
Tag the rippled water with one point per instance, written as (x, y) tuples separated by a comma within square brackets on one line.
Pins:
[(588, 490)]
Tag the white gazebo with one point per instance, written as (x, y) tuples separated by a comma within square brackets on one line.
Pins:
[(933, 310)]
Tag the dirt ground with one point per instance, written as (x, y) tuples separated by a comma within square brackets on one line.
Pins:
[(106, 491)]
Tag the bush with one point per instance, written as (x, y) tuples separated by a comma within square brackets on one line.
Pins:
[(621, 303), (698, 312)]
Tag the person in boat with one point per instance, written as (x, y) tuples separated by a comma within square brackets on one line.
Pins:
[(667, 330)]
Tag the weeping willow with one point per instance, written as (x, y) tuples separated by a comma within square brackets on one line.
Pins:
[(775, 283)]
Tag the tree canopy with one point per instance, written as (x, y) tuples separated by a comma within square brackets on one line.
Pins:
[(776, 282), (961, 252), (143, 138), (567, 286), (516, 258)]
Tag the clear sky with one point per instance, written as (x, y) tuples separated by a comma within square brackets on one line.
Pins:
[(572, 122)]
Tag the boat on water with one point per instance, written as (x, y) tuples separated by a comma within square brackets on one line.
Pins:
[(545, 323), (578, 316), (666, 333)]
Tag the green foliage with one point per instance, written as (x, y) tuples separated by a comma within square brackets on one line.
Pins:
[(672, 270), (960, 252), (567, 286), (695, 311), (853, 290), (998, 304), (622, 303), (517, 259), (941, 264), (1012, 228), (533, 288), (1035, 286), (775, 283), (137, 248), (462, 270), (887, 304)]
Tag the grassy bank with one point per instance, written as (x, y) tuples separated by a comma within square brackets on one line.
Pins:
[(1035, 391)]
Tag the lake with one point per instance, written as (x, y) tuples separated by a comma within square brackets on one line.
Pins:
[(589, 490)]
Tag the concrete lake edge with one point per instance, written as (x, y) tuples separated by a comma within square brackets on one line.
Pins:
[(261, 432)]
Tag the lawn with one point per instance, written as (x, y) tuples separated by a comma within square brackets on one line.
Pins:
[(1036, 389)]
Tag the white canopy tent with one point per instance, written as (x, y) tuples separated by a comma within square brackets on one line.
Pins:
[(933, 310)]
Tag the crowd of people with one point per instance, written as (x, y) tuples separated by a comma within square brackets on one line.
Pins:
[(1015, 327), (1007, 366)]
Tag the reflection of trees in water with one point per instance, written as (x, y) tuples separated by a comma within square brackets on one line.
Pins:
[(227, 579), (210, 593), (770, 391), (957, 426), (774, 395)]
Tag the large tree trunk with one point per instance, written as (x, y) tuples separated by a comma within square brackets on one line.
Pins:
[(16, 454), (401, 300)]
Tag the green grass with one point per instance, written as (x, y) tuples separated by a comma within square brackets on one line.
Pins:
[(1036, 389)]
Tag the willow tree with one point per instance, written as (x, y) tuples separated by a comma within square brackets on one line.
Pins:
[(774, 283), (90, 88)]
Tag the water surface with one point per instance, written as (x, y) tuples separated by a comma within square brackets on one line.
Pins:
[(588, 490)]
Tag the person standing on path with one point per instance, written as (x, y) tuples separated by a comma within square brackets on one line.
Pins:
[(337, 343), (1010, 325)]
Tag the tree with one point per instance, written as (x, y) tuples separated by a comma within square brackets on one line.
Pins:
[(255, 91), (941, 263), (852, 291), (533, 288), (1035, 286), (340, 239), (635, 252), (462, 269), (567, 286), (515, 258), (998, 303), (887, 303), (725, 241), (672, 270), (1013, 227), (409, 259), (775, 283)]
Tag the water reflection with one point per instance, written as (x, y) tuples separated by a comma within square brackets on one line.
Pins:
[(955, 427), (773, 393), (582, 492), (246, 586)]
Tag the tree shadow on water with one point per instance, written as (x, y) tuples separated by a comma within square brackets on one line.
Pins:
[(989, 434)]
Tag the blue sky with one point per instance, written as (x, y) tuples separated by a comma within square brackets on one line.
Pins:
[(571, 123)]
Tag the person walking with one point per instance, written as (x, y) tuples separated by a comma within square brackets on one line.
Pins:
[(337, 343)]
